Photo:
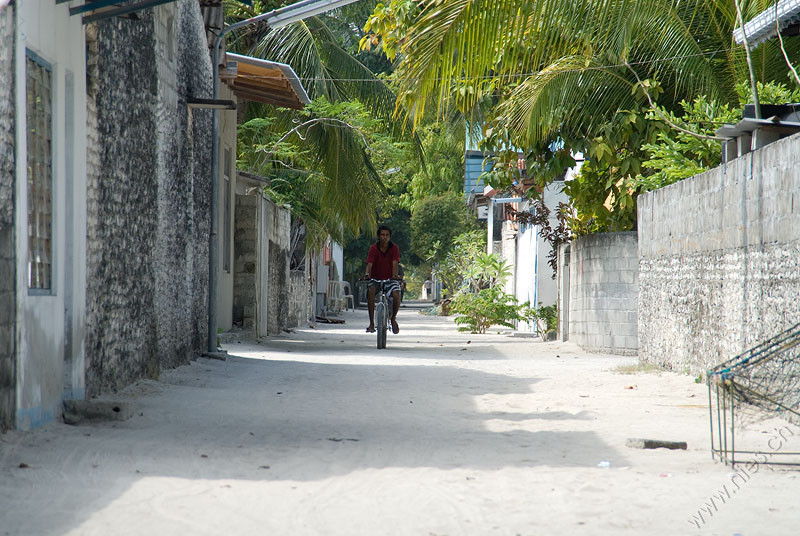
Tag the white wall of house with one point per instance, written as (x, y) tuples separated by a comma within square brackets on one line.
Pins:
[(527, 253), (227, 198), (51, 322), (547, 288), (321, 272), (337, 255), (526, 275)]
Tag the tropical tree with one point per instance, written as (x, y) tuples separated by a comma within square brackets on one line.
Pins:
[(330, 139), (566, 76), (435, 222), (453, 269), (567, 65), (322, 153)]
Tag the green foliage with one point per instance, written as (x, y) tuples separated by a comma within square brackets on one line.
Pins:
[(599, 208), (453, 268), (435, 222), (544, 318), (603, 194), (487, 271), (768, 93), (489, 307), (443, 145), (502, 166), (483, 303), (321, 168), (386, 25), (676, 155)]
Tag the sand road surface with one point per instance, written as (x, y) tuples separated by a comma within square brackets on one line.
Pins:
[(443, 433)]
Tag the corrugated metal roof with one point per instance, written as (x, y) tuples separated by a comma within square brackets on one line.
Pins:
[(267, 81), (763, 26)]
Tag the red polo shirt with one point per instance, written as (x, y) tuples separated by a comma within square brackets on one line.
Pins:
[(382, 262)]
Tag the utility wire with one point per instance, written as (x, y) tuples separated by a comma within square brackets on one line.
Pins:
[(510, 75)]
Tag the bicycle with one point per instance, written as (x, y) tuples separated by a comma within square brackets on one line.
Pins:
[(383, 309)]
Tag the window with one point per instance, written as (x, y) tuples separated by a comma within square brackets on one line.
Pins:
[(226, 213), (40, 172)]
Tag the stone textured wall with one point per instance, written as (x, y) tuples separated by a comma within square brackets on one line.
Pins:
[(268, 298), (603, 288), (278, 233), (720, 259), (122, 216), (184, 162), (148, 196), (298, 299), (7, 214)]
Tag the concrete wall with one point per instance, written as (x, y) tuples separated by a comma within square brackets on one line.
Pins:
[(562, 281), (720, 259), (7, 228), (603, 290), (148, 196), (227, 170), (50, 322), (245, 245), (267, 298)]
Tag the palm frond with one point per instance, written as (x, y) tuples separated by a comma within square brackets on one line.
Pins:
[(458, 50)]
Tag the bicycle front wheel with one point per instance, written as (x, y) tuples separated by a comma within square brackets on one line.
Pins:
[(380, 324)]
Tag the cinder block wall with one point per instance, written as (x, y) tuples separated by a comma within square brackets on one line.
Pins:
[(245, 243), (603, 286), (7, 214), (148, 196), (720, 259)]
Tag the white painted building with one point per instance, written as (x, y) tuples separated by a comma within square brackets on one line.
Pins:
[(522, 246), (50, 79)]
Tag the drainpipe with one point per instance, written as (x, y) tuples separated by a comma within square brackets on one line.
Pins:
[(276, 18)]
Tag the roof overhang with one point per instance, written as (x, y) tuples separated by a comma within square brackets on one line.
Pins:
[(264, 81), (748, 125), (96, 10), (764, 27)]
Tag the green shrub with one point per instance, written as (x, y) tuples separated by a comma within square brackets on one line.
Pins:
[(544, 318), (489, 307)]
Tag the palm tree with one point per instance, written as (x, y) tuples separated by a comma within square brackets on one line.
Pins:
[(341, 188), (566, 66)]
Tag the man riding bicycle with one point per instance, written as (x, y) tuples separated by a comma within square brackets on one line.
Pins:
[(382, 262)]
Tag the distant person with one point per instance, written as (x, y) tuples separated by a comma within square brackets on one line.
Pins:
[(401, 274), (383, 261)]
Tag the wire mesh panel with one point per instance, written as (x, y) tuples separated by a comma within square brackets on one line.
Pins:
[(760, 385), (40, 176)]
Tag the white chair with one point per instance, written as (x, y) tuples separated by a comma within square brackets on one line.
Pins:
[(347, 294), (335, 300)]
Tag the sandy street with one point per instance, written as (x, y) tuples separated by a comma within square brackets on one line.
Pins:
[(443, 433)]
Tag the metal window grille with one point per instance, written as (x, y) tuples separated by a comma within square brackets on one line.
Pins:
[(40, 173)]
